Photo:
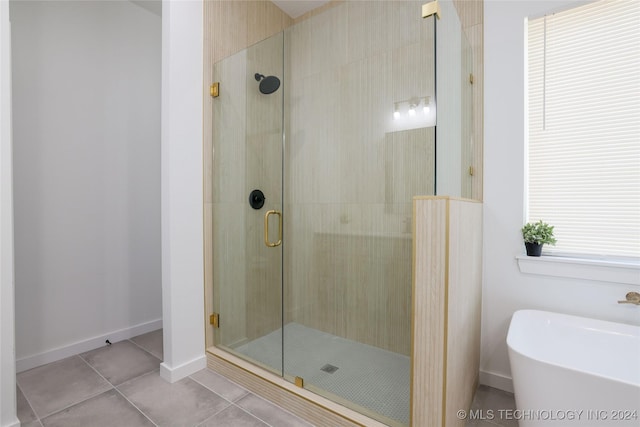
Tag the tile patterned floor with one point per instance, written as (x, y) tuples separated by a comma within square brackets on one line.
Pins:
[(492, 407), (120, 385)]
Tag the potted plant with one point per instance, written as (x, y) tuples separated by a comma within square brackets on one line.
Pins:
[(536, 234)]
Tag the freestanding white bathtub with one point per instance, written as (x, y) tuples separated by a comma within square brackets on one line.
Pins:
[(572, 371)]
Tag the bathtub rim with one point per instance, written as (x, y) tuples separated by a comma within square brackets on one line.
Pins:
[(557, 315)]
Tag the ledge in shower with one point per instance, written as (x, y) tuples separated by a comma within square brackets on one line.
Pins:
[(303, 403), (407, 236)]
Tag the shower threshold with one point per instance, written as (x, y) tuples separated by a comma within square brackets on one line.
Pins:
[(366, 378)]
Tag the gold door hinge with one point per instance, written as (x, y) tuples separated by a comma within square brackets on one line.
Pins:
[(299, 382), (214, 320), (471, 170), (214, 90), (470, 78)]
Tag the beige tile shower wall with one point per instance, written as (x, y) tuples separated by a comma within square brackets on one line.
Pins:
[(355, 282), (234, 25), (471, 13), (365, 282), (429, 311), (464, 307), (229, 27), (350, 176), (447, 300), (407, 174), (318, 10)]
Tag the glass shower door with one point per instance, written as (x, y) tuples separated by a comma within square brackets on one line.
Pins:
[(247, 204), (319, 289)]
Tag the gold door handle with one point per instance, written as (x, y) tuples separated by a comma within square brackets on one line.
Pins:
[(266, 228)]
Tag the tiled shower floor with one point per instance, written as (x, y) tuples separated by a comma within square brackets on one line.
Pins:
[(370, 377)]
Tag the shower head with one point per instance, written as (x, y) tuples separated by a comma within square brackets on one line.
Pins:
[(268, 84)]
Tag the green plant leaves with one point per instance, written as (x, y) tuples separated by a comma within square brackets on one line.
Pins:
[(538, 232)]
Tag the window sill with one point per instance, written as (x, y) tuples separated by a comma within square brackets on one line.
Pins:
[(625, 272)]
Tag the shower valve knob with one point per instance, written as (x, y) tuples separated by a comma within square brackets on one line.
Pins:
[(256, 199)]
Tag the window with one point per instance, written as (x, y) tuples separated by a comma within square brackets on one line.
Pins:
[(584, 127)]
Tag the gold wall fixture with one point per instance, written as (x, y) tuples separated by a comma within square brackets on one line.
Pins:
[(214, 90), (429, 9), (214, 319), (631, 298)]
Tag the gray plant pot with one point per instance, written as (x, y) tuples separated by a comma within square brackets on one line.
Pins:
[(533, 249)]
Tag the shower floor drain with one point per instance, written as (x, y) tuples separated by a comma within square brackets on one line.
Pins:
[(329, 368)]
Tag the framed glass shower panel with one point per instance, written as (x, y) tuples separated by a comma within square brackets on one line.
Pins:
[(247, 156)]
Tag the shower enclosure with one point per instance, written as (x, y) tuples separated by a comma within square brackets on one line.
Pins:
[(322, 135)]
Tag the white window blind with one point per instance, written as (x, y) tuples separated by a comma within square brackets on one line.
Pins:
[(584, 127)]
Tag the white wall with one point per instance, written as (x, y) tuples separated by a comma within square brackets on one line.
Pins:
[(182, 188), (7, 342), (505, 288), (86, 114)]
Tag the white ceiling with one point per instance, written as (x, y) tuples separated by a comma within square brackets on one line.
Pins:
[(297, 8)]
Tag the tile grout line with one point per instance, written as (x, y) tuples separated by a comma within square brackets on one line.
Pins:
[(75, 403), (213, 415), (38, 417), (222, 397), (135, 406), (255, 416), (119, 392), (144, 349), (124, 382), (79, 401), (114, 387), (218, 394), (275, 406), (240, 408), (248, 393), (28, 402), (231, 403)]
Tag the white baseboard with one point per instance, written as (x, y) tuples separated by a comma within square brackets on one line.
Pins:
[(498, 381), (14, 423), (59, 353), (177, 373)]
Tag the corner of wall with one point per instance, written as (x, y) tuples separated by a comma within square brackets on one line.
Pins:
[(7, 305), (182, 189), (495, 380), (53, 355), (173, 374)]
